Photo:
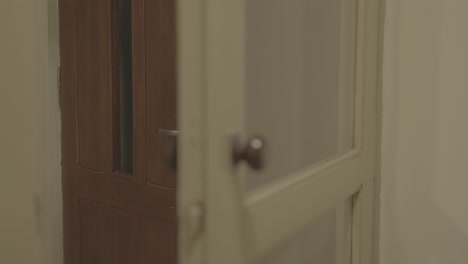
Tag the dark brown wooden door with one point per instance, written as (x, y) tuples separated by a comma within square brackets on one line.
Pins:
[(118, 90)]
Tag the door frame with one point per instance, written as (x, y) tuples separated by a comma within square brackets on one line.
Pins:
[(193, 66), (52, 218)]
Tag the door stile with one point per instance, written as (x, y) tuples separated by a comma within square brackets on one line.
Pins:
[(191, 176), (363, 215), (225, 82)]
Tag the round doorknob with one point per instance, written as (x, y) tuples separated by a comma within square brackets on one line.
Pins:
[(252, 152)]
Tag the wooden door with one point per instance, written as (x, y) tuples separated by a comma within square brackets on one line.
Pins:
[(302, 75), (118, 92)]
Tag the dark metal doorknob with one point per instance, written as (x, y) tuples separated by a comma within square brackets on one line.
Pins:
[(252, 152)]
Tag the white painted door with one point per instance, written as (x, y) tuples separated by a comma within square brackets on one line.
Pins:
[(303, 76)]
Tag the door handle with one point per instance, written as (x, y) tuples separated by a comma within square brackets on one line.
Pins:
[(168, 132), (252, 152), (170, 148)]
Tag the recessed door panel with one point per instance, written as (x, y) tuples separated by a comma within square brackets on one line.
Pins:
[(115, 236), (315, 244), (326, 240), (94, 48)]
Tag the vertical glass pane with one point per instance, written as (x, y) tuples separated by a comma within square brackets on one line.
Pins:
[(300, 81), (125, 80)]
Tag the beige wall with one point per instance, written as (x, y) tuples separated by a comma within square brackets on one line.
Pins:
[(425, 133), (30, 206)]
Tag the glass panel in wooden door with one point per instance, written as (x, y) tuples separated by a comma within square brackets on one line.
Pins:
[(300, 100), (299, 82)]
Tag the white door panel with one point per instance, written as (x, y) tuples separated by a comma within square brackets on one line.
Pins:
[(302, 74), (314, 244)]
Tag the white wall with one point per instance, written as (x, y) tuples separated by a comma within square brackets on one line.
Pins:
[(425, 133), (30, 196)]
